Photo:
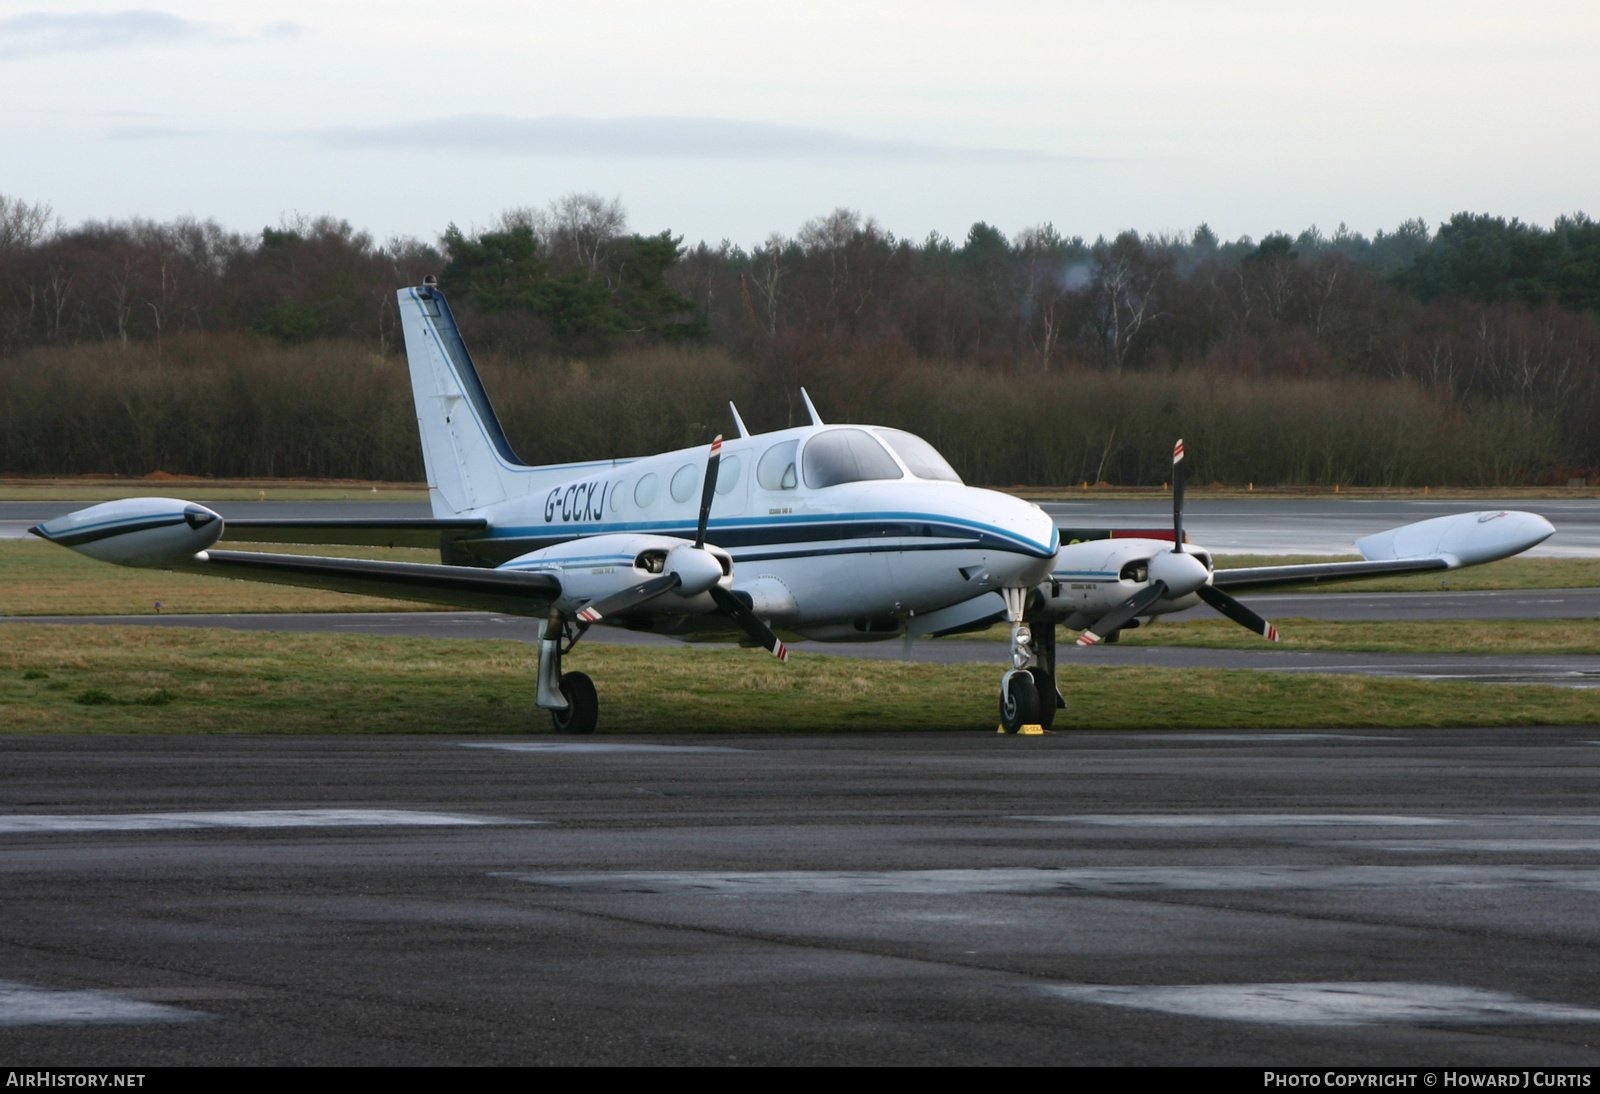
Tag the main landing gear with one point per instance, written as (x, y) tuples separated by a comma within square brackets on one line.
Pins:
[(569, 697), (1028, 696)]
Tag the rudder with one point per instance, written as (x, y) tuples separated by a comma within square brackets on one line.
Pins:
[(469, 462)]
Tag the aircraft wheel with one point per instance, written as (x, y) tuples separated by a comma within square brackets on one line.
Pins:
[(583, 706), (1044, 686), (1019, 706)]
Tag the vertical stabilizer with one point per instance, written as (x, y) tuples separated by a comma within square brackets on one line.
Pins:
[(469, 462)]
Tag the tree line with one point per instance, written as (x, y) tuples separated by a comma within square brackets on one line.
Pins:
[(1483, 325)]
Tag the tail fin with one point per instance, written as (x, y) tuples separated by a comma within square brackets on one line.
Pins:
[(469, 462)]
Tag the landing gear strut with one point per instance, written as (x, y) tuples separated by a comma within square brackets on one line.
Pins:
[(569, 697), (1044, 673), (1019, 689)]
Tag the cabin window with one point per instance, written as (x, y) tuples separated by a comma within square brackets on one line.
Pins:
[(776, 469), (645, 491), (847, 455), (918, 455), (684, 481), (728, 474), (616, 498)]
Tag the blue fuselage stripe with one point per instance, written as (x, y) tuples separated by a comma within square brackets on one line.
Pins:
[(813, 533)]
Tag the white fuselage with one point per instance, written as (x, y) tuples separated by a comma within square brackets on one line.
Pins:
[(847, 560)]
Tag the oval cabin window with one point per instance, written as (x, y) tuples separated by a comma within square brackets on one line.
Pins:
[(645, 492), (728, 474), (776, 469), (684, 482)]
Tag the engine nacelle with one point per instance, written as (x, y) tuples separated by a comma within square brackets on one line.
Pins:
[(595, 567), (1092, 577), (1464, 539), (154, 532)]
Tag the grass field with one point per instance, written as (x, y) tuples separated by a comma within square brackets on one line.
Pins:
[(158, 680), (1580, 636)]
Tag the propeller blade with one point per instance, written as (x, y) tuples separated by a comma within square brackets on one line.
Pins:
[(1237, 612), (708, 491), (628, 598), (1177, 497), (1117, 617), (747, 621)]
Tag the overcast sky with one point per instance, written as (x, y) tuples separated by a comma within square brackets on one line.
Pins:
[(735, 120)]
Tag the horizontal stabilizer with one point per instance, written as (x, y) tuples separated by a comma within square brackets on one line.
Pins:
[(511, 592), (354, 532)]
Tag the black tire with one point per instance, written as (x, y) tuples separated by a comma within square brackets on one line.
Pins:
[(1019, 706), (583, 705), (1044, 685)]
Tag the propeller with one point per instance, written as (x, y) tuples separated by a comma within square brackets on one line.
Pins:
[(741, 614), (636, 595), (1177, 497), (1237, 612), (631, 597), (1118, 617), (708, 491), (1175, 574)]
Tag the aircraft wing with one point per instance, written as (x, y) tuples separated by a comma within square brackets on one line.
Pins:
[(352, 532), (1319, 573), (465, 587), (1428, 546)]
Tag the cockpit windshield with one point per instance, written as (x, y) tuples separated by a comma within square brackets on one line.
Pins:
[(917, 454), (846, 455)]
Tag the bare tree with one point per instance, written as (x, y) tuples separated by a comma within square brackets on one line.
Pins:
[(1128, 280), (766, 271), (582, 227), (841, 248), (24, 225)]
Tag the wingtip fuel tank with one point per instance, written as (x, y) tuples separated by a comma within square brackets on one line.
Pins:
[(153, 532)]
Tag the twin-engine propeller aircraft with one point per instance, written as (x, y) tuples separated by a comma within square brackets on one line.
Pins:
[(835, 533)]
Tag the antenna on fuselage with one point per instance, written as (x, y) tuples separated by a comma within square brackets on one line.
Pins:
[(738, 421), (816, 419)]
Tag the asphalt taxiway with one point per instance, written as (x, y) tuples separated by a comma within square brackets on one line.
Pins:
[(1398, 897)]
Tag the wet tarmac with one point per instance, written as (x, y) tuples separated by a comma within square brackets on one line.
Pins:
[(1283, 898)]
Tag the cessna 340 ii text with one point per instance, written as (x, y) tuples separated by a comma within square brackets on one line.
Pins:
[(834, 533)]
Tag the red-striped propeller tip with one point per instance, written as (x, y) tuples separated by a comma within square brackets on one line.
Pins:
[(782, 652), (1088, 638), (1272, 633), (716, 445), (588, 615), (1177, 451)]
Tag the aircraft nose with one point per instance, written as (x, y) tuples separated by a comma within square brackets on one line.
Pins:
[(1035, 532)]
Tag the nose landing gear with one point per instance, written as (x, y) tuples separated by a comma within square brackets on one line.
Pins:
[(1028, 691)]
